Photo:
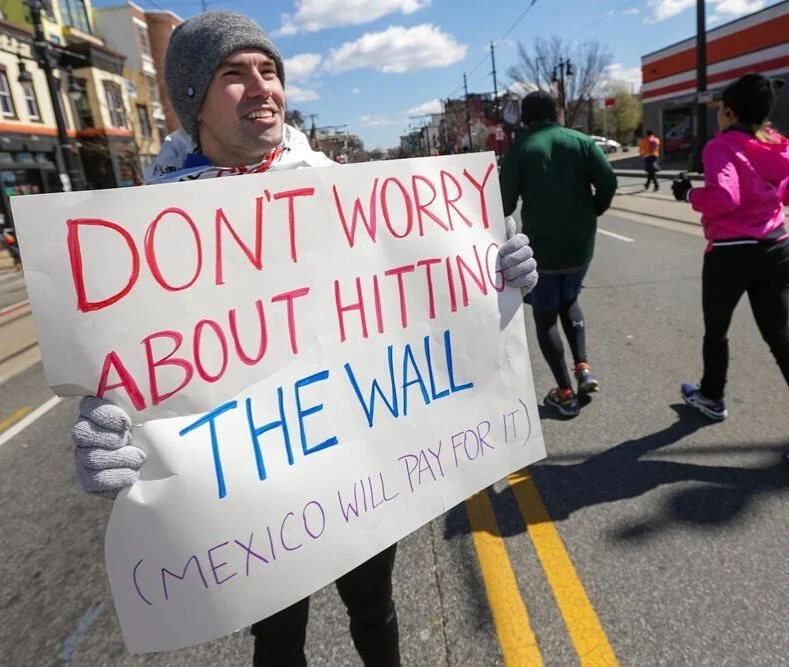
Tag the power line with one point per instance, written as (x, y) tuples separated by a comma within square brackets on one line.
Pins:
[(157, 5), (512, 27), (608, 15), (518, 20)]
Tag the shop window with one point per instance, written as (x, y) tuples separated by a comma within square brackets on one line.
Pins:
[(145, 122), (31, 101), (6, 100), (75, 14), (114, 97)]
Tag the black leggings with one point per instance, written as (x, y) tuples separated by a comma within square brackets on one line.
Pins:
[(761, 270), (651, 178), (551, 342), (367, 594)]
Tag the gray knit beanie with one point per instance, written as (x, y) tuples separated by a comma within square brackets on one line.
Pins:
[(198, 47)]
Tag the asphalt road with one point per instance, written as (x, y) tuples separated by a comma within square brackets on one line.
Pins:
[(675, 528)]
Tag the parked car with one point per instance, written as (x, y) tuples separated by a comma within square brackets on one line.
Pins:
[(607, 145)]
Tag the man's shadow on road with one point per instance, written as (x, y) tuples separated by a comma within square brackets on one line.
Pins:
[(621, 472)]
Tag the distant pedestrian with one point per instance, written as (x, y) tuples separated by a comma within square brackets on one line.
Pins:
[(746, 174), (565, 183), (650, 151)]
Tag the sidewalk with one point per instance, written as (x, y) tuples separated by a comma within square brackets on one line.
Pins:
[(625, 164), (654, 205)]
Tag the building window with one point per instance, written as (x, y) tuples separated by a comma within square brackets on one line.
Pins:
[(31, 101), (161, 130), (114, 97), (81, 108), (6, 101), (153, 88), (75, 14), (142, 36), (145, 122)]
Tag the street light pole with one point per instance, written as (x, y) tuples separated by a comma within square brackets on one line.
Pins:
[(66, 157), (701, 84), (564, 67), (468, 116)]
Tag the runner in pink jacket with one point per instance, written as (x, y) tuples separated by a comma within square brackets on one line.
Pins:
[(746, 186)]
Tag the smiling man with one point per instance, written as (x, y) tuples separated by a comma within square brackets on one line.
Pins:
[(226, 82)]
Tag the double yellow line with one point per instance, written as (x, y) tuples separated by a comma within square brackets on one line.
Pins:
[(518, 643)]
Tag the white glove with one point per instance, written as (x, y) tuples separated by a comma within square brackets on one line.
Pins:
[(104, 458), (517, 259)]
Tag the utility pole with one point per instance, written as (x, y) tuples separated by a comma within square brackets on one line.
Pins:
[(564, 67), (701, 84), (205, 5), (468, 115), (495, 87), (46, 59)]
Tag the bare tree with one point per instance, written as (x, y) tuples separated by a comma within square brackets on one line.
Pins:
[(537, 66)]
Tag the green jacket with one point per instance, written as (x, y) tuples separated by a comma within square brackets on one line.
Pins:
[(565, 182)]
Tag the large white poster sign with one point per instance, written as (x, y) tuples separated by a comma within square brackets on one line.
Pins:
[(317, 362)]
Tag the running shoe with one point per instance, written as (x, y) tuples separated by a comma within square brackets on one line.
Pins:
[(709, 408), (565, 401), (586, 382)]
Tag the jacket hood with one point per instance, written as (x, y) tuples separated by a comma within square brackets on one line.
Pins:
[(173, 163), (770, 160)]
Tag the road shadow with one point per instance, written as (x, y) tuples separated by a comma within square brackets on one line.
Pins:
[(623, 472)]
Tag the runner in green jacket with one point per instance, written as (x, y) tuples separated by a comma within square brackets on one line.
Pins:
[(565, 183)]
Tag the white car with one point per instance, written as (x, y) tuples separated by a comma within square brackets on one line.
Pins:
[(607, 145)]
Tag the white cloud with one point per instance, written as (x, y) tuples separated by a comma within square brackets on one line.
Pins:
[(302, 66), (356, 91), (296, 94), (314, 15), (729, 9), (619, 73), (521, 88), (631, 12), (374, 121), (433, 106), (397, 50)]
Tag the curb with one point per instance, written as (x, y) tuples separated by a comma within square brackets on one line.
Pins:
[(5, 312), (667, 175), (654, 215)]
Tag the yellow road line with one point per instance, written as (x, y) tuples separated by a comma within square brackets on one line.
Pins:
[(518, 643), (13, 418), (586, 631)]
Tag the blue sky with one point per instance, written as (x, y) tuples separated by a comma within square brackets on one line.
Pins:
[(371, 64)]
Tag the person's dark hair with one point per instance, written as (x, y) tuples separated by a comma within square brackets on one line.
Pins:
[(650, 133), (538, 107), (751, 98)]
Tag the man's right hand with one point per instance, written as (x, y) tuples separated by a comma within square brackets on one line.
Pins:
[(105, 459)]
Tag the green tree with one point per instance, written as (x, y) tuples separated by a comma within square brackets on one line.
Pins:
[(294, 118), (624, 117)]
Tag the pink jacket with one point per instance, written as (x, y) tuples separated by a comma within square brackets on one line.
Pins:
[(746, 186)]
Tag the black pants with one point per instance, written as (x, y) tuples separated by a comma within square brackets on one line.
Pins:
[(367, 594), (761, 270), (651, 167), (551, 342)]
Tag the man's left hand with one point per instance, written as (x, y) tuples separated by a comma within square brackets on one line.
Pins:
[(517, 259)]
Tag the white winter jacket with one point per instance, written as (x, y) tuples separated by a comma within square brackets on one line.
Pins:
[(177, 160)]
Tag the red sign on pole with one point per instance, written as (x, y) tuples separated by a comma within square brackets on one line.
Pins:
[(610, 101)]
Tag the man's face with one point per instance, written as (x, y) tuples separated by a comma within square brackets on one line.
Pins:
[(243, 111)]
